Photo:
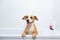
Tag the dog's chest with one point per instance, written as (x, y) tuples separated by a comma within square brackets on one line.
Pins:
[(31, 29)]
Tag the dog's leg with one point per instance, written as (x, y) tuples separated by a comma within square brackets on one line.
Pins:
[(35, 32), (25, 32), (23, 35), (34, 35)]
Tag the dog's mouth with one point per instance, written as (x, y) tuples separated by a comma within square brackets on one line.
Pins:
[(29, 24)]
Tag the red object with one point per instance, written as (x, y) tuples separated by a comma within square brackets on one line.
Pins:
[(51, 26)]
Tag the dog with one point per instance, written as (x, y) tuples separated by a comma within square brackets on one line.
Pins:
[(30, 26)]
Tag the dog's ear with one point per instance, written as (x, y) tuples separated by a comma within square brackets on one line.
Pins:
[(36, 18), (25, 17)]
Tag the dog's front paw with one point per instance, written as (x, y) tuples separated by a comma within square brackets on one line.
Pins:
[(23, 35), (33, 36)]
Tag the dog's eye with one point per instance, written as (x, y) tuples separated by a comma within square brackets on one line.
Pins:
[(31, 17), (26, 16)]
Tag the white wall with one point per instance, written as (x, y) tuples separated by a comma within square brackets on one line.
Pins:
[(12, 11), (56, 13)]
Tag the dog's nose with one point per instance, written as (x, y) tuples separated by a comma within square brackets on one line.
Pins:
[(27, 20)]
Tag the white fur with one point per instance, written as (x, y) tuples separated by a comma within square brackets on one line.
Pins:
[(29, 18), (30, 31)]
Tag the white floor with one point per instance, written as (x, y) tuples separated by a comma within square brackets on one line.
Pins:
[(46, 32), (15, 34)]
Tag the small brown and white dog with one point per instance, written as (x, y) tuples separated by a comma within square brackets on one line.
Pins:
[(30, 26)]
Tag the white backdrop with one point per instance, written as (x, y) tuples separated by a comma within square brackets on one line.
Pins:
[(12, 11), (56, 13)]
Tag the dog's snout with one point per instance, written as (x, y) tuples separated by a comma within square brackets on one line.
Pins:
[(27, 20)]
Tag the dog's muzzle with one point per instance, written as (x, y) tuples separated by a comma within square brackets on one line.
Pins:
[(29, 23)]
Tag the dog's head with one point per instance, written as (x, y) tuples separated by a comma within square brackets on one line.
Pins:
[(30, 19)]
